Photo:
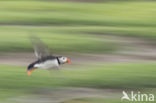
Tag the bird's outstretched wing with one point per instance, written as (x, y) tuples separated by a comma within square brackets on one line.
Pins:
[(40, 49)]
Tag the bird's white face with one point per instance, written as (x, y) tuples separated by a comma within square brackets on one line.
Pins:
[(64, 60)]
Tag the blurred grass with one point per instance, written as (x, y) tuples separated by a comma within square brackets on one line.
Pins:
[(100, 100), (15, 82), (68, 13), (16, 39), (80, 28), (95, 100), (95, 76), (73, 26)]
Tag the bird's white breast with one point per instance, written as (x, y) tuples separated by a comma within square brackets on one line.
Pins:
[(49, 64)]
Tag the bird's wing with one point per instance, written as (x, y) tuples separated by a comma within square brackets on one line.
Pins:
[(40, 49)]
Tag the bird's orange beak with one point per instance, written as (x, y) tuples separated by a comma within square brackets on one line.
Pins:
[(68, 61), (30, 71)]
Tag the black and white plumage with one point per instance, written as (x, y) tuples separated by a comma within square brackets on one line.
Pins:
[(45, 60)]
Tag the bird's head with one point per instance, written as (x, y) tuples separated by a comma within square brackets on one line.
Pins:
[(63, 60), (31, 68)]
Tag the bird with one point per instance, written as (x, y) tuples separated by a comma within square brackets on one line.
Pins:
[(45, 59)]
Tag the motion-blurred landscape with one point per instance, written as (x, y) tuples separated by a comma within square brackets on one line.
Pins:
[(111, 44)]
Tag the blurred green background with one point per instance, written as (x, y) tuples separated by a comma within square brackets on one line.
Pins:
[(111, 44)]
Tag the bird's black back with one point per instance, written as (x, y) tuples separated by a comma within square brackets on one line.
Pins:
[(42, 60)]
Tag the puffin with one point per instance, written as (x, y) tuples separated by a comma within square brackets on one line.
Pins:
[(45, 59)]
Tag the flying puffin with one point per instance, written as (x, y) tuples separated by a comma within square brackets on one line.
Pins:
[(45, 60)]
